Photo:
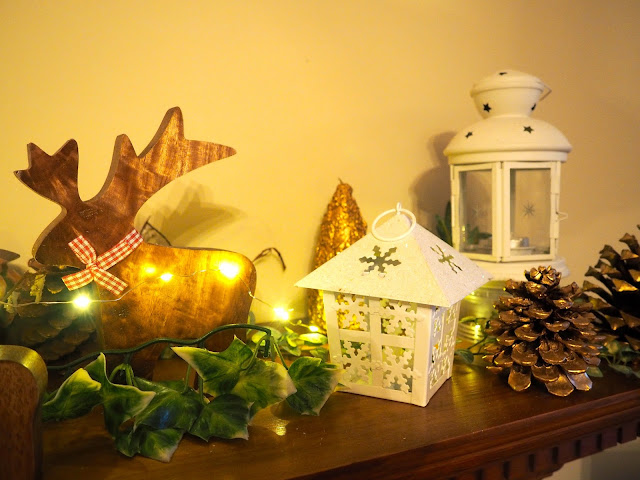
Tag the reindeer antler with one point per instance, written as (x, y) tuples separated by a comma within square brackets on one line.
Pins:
[(169, 155), (108, 217), (53, 176)]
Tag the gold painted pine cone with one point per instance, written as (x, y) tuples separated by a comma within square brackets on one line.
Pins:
[(616, 299), (545, 332)]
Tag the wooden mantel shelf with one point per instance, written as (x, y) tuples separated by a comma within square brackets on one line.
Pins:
[(474, 427)]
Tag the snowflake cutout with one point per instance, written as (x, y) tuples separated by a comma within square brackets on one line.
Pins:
[(398, 368), (356, 360), (379, 261), (448, 259)]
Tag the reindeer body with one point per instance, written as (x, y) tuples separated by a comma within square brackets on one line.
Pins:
[(198, 298)]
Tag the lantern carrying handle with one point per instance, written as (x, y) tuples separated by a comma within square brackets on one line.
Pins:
[(398, 211), (545, 92)]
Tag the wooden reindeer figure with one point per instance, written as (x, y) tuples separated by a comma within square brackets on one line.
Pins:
[(206, 288)]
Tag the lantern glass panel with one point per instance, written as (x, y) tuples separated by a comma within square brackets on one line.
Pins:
[(475, 221), (530, 211)]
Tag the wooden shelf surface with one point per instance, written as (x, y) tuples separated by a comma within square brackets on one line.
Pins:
[(475, 427)]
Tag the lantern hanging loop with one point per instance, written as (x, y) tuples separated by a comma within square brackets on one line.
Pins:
[(398, 211)]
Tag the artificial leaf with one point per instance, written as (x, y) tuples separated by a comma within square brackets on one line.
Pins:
[(594, 372), (121, 402), (77, 396), (622, 369), (170, 408), (295, 351), (314, 338), (157, 444), (226, 416), (264, 384), (314, 381), (127, 441), (160, 444), (219, 371), (321, 353), (276, 335), (465, 355), (292, 339)]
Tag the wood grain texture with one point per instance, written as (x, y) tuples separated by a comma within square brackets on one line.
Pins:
[(198, 298), (475, 427), (23, 380)]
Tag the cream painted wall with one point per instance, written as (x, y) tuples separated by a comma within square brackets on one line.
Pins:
[(368, 91), (309, 92)]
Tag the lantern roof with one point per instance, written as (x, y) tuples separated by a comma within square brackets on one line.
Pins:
[(506, 100), (400, 261), (516, 134)]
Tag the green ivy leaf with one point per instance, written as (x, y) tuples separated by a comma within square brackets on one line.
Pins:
[(127, 441), (622, 369), (276, 335), (465, 355), (613, 347), (121, 402), (226, 416), (264, 384), (314, 338), (314, 381), (170, 408), (321, 353), (156, 444), (292, 339), (295, 351), (594, 372), (160, 444), (77, 396), (219, 371)]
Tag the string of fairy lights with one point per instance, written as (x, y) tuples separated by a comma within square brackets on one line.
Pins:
[(227, 269)]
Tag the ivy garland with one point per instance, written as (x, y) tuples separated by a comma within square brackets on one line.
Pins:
[(150, 418)]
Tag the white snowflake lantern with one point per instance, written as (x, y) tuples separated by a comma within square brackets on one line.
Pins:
[(391, 302)]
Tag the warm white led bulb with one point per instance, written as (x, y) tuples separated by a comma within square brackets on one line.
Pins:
[(149, 269), (165, 277), (229, 269), (82, 301), (281, 313)]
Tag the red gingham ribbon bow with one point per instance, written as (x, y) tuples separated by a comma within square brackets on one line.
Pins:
[(96, 267)]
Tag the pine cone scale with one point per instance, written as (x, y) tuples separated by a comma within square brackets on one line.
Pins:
[(519, 378), (545, 373)]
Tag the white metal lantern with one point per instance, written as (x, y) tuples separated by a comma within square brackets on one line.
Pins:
[(391, 302), (505, 178)]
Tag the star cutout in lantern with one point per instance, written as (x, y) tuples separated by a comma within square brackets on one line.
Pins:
[(528, 129), (529, 209), (486, 107), (468, 134)]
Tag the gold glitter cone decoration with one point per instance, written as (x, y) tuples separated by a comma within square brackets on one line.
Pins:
[(616, 300), (342, 225), (546, 332)]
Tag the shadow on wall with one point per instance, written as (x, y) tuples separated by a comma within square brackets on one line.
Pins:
[(432, 189), (187, 217)]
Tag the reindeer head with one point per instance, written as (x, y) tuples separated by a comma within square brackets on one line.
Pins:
[(105, 219)]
